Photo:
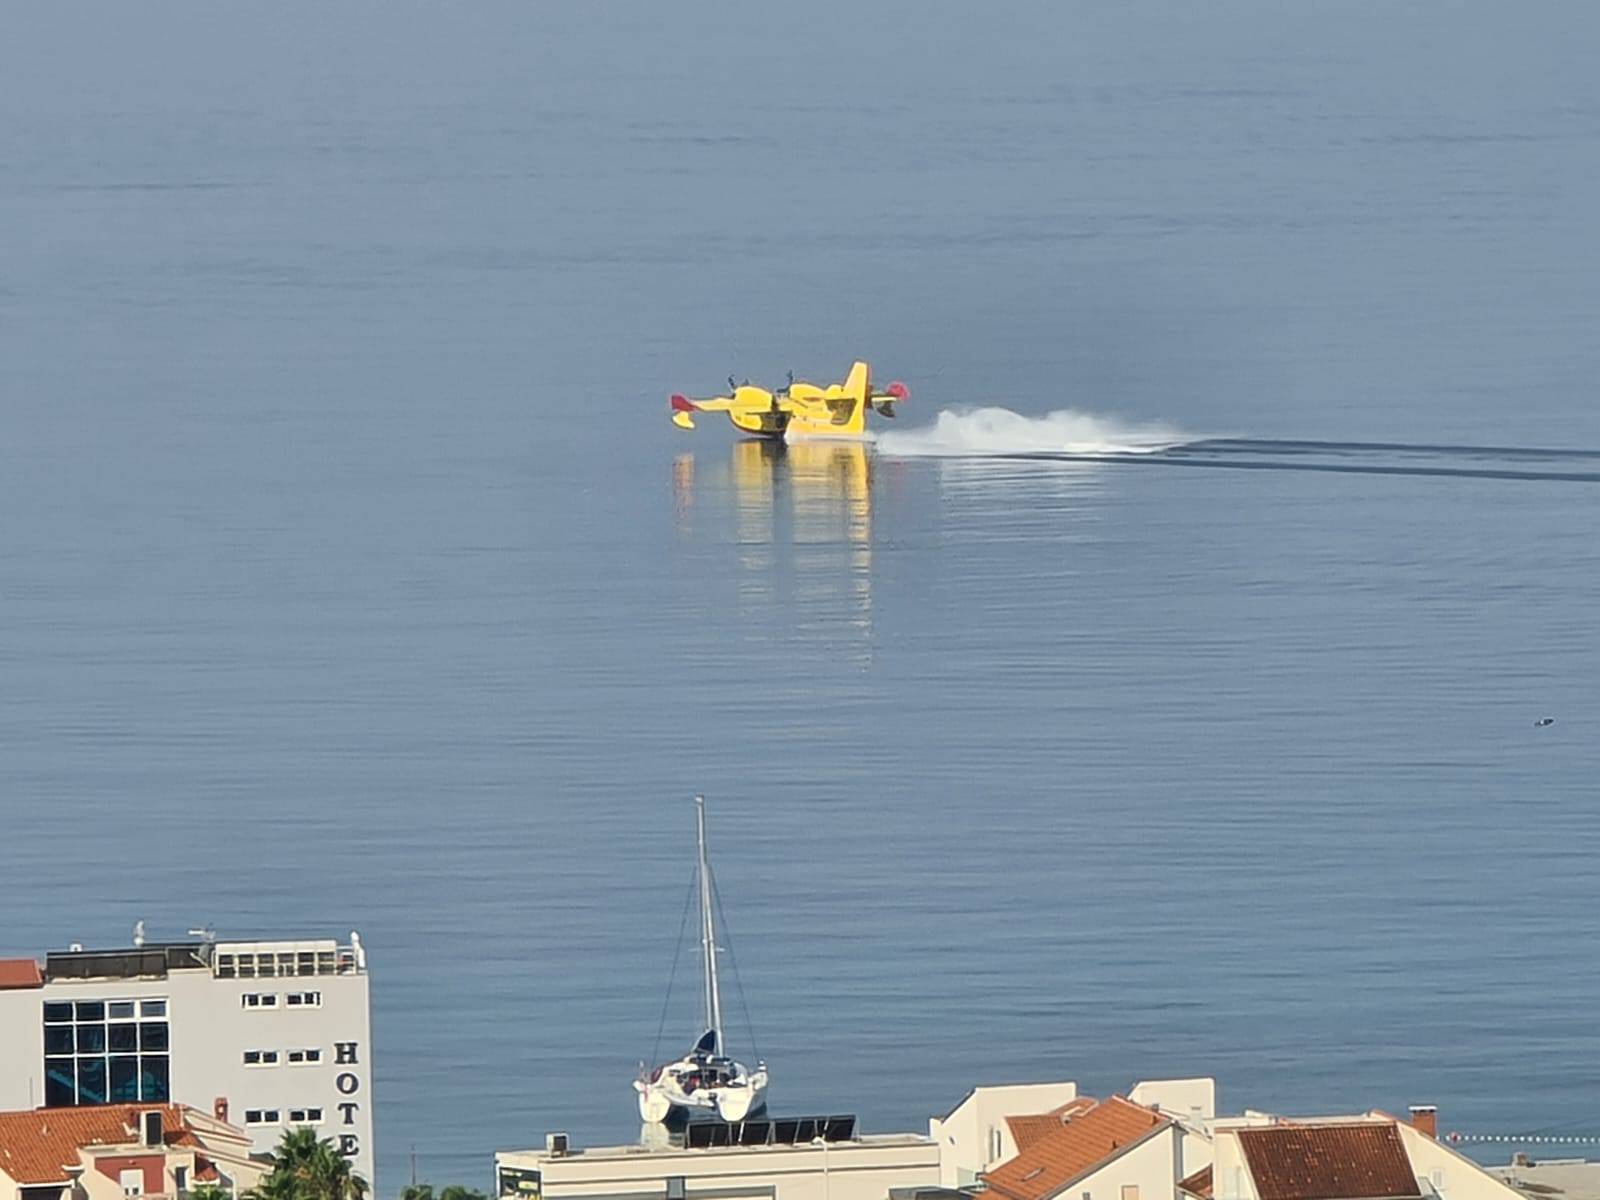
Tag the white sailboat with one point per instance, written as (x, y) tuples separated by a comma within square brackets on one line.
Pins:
[(705, 1082)]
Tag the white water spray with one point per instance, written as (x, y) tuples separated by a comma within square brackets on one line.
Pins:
[(980, 431)]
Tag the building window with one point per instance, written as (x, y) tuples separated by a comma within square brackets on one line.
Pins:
[(303, 999), (675, 1188), (261, 1116), (180, 1178), (1130, 1191), (305, 1116), (299, 1057), (259, 1000), (132, 1181), (260, 1058), (101, 1052)]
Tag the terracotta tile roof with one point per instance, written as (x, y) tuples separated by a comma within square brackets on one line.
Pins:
[(1198, 1184), (20, 973), (37, 1145), (1065, 1153), (1329, 1162), (1028, 1129)]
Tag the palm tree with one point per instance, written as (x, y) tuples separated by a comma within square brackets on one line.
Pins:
[(306, 1167)]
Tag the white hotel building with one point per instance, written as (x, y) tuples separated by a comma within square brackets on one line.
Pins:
[(266, 1035)]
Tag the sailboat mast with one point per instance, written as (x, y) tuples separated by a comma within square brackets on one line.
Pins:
[(708, 931)]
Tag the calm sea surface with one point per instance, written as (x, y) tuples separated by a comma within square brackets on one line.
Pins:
[(351, 575)]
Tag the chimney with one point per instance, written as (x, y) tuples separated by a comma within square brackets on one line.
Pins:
[(219, 1108), (1425, 1119)]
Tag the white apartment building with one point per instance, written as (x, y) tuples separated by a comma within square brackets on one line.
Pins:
[(1363, 1156), (996, 1122), (779, 1159), (266, 1035)]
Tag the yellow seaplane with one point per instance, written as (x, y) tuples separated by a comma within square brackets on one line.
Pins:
[(798, 409)]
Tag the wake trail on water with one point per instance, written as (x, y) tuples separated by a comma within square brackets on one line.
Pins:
[(1068, 435), (975, 432)]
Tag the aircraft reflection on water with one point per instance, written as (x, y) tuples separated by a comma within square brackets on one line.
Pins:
[(802, 525)]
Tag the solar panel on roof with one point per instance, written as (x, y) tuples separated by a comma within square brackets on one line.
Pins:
[(840, 1129), (781, 1131)]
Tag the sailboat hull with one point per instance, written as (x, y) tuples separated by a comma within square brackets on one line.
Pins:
[(674, 1093), (733, 1104)]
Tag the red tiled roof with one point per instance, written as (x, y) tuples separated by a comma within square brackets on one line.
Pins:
[(1198, 1184), (1066, 1152), (1029, 1128), (19, 973), (1329, 1162), (36, 1146)]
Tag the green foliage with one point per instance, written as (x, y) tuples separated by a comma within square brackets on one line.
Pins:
[(424, 1191), (306, 1167), (209, 1191)]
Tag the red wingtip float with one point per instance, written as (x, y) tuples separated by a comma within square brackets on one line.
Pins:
[(799, 409), (682, 411)]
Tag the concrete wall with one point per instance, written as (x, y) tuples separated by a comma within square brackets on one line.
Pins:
[(1192, 1100), (1151, 1167), (1450, 1175), (864, 1170), (974, 1136), (1230, 1174)]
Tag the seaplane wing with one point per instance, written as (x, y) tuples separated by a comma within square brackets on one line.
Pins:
[(798, 409)]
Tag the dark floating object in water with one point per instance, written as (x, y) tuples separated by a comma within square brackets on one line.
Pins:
[(1543, 721)]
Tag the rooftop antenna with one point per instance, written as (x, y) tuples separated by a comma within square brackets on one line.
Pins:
[(204, 934), (138, 933)]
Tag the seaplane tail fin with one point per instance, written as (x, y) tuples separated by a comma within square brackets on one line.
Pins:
[(858, 384)]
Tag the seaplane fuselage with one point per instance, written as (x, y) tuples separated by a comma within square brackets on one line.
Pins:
[(798, 410)]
